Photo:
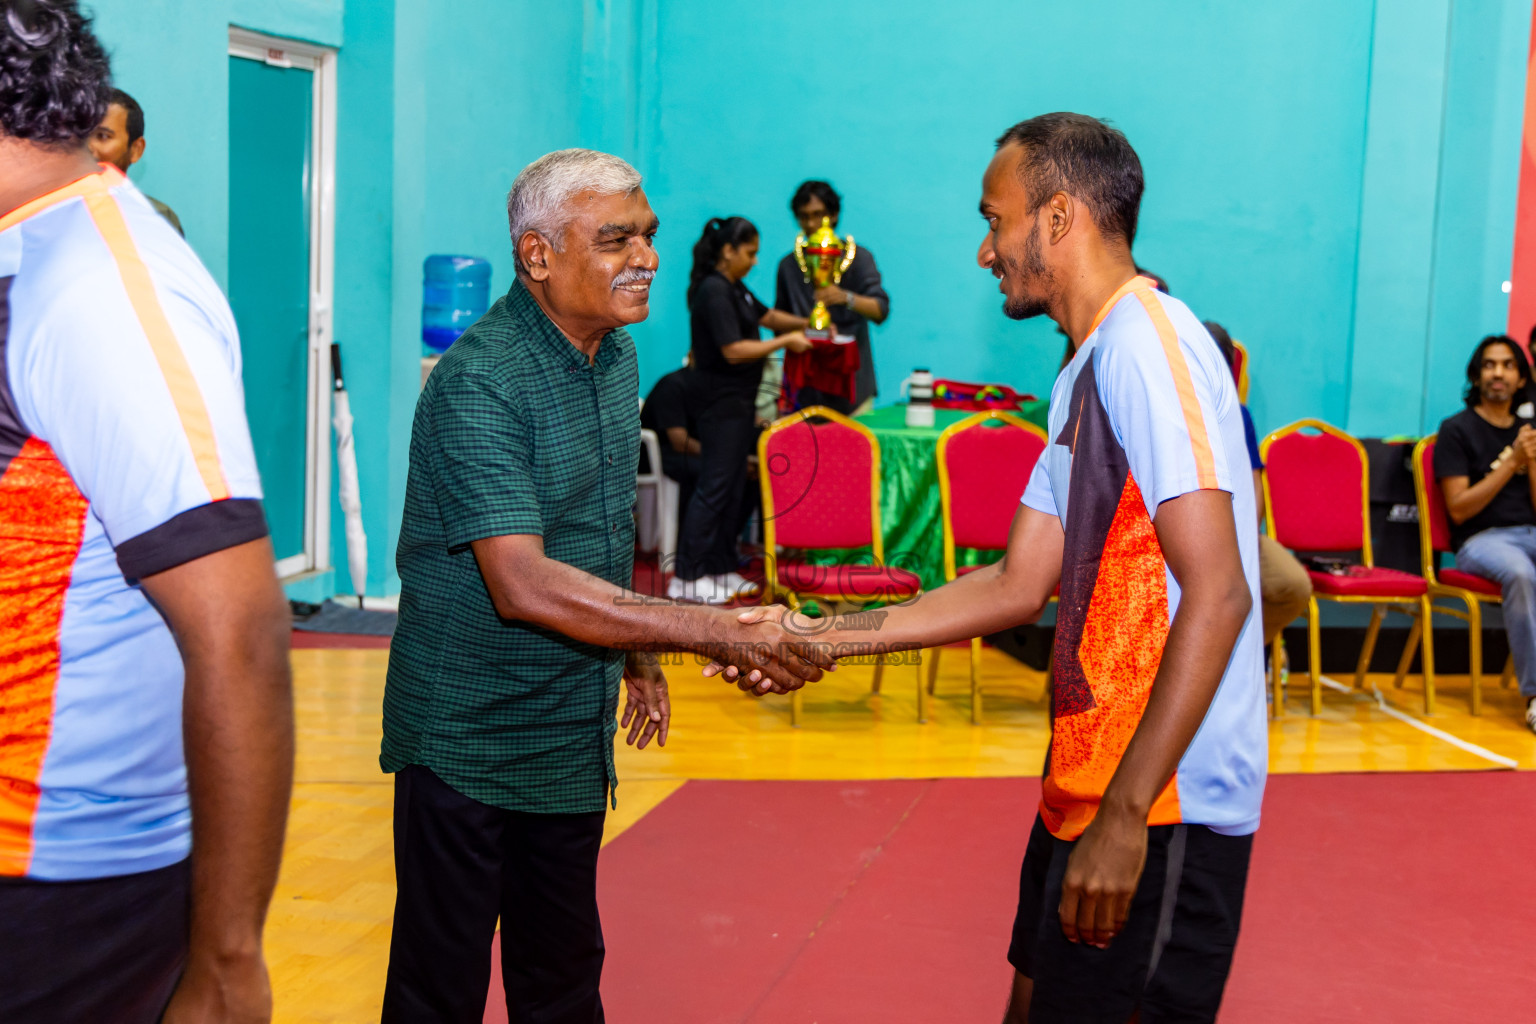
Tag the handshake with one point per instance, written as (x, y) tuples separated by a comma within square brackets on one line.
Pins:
[(771, 649)]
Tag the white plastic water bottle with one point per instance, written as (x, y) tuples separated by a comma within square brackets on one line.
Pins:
[(918, 390)]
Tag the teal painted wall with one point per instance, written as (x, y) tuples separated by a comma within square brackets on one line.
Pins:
[(1342, 199)]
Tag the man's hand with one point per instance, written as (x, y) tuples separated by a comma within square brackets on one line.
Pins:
[(796, 341), (229, 991), (647, 709), (770, 640), (1103, 871), (832, 295), (1525, 445)]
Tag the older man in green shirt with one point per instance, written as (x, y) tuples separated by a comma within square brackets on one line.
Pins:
[(516, 626)]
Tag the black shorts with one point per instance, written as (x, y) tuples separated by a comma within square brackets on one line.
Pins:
[(102, 949), (1171, 961)]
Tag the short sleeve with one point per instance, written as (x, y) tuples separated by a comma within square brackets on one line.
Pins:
[(758, 309), (1163, 397), (137, 391), (1037, 493), (482, 461), (717, 318), (1451, 455)]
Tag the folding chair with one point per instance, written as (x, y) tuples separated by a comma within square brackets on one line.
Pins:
[(984, 465), (820, 474), (1317, 498), (1471, 590)]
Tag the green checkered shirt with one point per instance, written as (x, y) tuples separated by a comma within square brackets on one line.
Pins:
[(515, 433)]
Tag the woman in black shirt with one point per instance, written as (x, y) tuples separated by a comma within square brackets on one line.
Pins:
[(728, 355)]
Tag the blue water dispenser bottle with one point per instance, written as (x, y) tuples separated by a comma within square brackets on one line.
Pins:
[(456, 291)]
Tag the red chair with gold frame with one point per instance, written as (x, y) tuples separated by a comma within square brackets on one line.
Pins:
[(1317, 498), (1471, 590), (820, 475), (1240, 369), (984, 464)]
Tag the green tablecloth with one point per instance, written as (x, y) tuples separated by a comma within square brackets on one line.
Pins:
[(909, 493)]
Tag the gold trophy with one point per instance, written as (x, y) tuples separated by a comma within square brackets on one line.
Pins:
[(823, 259)]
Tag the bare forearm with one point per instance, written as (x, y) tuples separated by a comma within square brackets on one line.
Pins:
[(745, 351), (870, 309), (586, 608), (238, 724), (977, 604), (779, 321), (1472, 500), (1199, 645)]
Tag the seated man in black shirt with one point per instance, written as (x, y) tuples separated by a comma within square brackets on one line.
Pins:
[(859, 299), (1482, 463), (672, 411)]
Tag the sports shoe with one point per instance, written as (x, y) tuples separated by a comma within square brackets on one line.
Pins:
[(704, 590), (736, 585), (1530, 714)]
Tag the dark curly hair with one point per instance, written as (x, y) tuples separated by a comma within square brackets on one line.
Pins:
[(55, 77)]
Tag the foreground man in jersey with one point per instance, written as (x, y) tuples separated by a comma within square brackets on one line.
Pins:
[(1132, 884), (146, 732)]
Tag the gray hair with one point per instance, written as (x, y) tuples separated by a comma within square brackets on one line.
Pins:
[(543, 189)]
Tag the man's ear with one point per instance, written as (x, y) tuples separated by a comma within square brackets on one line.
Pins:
[(533, 253), (1060, 212), (136, 151)]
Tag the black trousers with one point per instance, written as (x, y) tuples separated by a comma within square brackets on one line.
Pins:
[(105, 949), (706, 542), (684, 469), (459, 865)]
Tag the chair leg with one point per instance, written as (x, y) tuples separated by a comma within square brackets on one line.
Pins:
[(1276, 683), (976, 680), (879, 671), (1411, 646), (1315, 655), (1508, 678), (794, 709), (1426, 611), (1369, 647), (933, 669), (1475, 636), (922, 695)]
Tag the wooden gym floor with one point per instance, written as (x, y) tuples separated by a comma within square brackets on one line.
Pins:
[(328, 932)]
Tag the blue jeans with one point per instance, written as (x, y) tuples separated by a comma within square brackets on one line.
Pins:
[(1507, 555)]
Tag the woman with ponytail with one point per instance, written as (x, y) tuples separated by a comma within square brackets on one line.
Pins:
[(728, 354)]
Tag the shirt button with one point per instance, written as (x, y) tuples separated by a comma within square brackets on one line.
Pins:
[(610, 459)]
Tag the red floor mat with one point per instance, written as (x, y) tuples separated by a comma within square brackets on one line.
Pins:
[(1372, 898)]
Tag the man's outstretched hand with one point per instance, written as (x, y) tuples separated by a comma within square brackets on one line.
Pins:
[(770, 650), (647, 708)]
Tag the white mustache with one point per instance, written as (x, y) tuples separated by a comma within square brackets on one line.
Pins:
[(634, 275)]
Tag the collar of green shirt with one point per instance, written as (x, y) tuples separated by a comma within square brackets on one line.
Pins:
[(522, 307)]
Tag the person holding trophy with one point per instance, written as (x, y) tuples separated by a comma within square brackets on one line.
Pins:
[(728, 354), (847, 287)]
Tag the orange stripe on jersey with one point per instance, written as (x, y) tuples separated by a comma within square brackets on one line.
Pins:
[(96, 182), (42, 523), (1134, 284), (185, 393), (1194, 419)]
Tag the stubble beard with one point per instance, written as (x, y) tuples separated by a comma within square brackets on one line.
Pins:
[(1031, 269)]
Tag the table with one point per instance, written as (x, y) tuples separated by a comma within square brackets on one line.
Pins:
[(909, 493)]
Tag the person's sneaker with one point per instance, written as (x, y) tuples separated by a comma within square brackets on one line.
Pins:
[(736, 585), (704, 590), (1530, 714)]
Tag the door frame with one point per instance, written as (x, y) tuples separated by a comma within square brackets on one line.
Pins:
[(321, 60)]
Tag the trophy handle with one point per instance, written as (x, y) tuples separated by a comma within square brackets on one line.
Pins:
[(853, 250), (800, 256)]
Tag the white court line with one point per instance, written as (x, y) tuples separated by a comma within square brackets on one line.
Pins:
[(1423, 726)]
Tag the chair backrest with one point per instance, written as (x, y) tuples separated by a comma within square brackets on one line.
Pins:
[(984, 464), (821, 482), (1316, 489), (1240, 369), (1434, 524)]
